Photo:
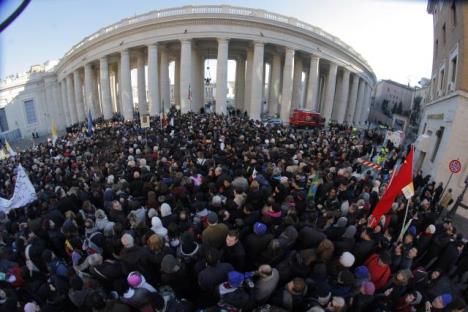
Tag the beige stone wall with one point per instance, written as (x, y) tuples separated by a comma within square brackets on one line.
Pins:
[(454, 34)]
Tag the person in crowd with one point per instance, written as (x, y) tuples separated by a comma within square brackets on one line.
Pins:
[(210, 212)]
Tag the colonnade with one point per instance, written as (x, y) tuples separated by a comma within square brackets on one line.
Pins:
[(296, 80)]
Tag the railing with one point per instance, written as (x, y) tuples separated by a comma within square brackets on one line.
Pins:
[(215, 9)]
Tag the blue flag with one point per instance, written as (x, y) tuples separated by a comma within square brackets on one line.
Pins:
[(90, 123)]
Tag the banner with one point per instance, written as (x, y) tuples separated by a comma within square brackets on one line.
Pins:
[(24, 192), (144, 121)]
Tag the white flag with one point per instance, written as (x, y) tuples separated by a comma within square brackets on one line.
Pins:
[(24, 192)]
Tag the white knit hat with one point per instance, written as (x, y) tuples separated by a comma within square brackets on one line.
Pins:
[(347, 259), (431, 229)]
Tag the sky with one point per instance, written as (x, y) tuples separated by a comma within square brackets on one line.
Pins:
[(395, 37)]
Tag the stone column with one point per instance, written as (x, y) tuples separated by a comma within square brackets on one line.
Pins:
[(365, 109), (141, 84), (221, 76), (164, 83), (257, 81), (297, 83), (113, 87), (344, 92), (313, 84), (176, 91), (153, 80), (240, 83), (248, 79), (286, 94), (66, 108), (330, 92), (97, 102), (78, 88), (185, 74), (197, 80), (126, 85), (89, 95), (274, 88), (359, 102), (71, 99), (106, 101), (352, 100)]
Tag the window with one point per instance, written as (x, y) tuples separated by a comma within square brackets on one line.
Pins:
[(454, 13), (452, 73), (436, 47), (443, 33), (439, 134), (424, 128), (3, 120), (453, 64), (441, 86), (30, 111)]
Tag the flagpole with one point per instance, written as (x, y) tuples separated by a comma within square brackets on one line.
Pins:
[(403, 227)]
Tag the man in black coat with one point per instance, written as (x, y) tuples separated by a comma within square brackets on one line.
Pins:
[(363, 248), (233, 251)]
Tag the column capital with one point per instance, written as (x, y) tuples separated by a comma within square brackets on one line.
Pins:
[(223, 40), (185, 41), (103, 58), (153, 45), (314, 57), (125, 51), (290, 50)]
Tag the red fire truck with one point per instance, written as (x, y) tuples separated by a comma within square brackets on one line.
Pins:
[(306, 118)]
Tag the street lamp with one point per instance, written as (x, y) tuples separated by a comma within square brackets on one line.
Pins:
[(459, 200)]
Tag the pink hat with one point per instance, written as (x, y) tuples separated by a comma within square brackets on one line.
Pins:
[(134, 279), (368, 288)]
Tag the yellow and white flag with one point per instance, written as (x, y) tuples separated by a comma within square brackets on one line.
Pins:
[(53, 130), (3, 154), (10, 150)]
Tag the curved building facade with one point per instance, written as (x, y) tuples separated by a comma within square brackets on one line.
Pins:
[(308, 68)]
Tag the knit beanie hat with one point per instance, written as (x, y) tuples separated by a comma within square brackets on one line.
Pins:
[(323, 294), (260, 228), (361, 272), (188, 242), (235, 278), (165, 210), (431, 229), (347, 259), (152, 213), (368, 288), (31, 307), (170, 264), (345, 277), (446, 299), (134, 279), (212, 217), (342, 221)]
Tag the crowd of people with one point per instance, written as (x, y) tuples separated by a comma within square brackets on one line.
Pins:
[(222, 213)]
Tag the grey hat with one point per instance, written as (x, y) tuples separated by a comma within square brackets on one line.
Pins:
[(350, 231), (342, 221), (170, 264), (212, 217)]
